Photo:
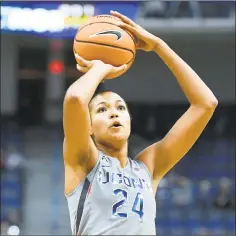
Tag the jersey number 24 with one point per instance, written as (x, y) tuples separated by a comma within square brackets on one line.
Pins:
[(137, 205)]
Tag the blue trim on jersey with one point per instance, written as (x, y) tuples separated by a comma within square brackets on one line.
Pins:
[(81, 203)]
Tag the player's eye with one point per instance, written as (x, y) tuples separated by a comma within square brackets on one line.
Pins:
[(101, 109), (121, 107)]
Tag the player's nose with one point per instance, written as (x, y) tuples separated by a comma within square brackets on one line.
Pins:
[(114, 114)]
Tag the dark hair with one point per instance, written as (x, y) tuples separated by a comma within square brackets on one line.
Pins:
[(100, 91)]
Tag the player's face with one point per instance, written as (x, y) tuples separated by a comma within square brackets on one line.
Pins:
[(110, 118)]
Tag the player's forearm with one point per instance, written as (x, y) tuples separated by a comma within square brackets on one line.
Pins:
[(84, 88), (193, 87)]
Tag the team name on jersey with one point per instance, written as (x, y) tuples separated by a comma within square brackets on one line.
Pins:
[(105, 177)]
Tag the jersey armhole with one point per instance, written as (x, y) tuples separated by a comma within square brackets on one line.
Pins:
[(87, 176), (147, 170)]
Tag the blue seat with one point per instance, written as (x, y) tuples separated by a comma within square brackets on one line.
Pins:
[(230, 224), (179, 231)]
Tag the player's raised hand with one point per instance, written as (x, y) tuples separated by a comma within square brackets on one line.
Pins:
[(146, 40), (84, 66)]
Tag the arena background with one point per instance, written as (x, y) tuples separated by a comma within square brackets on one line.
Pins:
[(37, 65)]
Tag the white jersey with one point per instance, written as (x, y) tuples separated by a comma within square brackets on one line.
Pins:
[(114, 201)]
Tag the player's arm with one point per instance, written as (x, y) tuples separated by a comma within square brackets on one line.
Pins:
[(163, 155), (80, 153), (76, 118), (78, 149)]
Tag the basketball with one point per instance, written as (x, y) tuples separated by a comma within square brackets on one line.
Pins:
[(101, 39)]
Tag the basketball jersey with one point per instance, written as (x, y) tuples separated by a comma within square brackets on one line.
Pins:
[(114, 201)]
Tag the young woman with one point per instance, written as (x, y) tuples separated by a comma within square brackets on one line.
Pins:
[(107, 192)]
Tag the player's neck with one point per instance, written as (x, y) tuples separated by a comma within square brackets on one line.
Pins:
[(120, 153)]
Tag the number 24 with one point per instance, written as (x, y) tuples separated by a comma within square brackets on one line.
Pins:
[(138, 200)]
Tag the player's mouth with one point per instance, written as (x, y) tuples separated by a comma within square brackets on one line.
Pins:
[(116, 125)]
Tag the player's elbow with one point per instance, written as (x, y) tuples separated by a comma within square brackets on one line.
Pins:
[(214, 103), (73, 97), (211, 104)]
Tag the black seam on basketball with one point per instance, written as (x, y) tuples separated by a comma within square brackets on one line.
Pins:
[(104, 22), (103, 44)]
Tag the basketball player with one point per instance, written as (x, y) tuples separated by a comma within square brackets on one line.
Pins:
[(108, 193)]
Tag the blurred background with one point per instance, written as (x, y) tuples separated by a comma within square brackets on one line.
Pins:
[(197, 197)]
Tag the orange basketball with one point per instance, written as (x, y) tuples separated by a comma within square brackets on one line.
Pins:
[(101, 39)]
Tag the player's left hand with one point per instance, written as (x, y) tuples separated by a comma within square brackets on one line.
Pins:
[(146, 41)]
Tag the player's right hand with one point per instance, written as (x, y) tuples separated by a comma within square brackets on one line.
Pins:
[(84, 66)]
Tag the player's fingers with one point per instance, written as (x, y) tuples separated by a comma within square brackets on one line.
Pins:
[(81, 61), (120, 68), (125, 19), (129, 28), (81, 68)]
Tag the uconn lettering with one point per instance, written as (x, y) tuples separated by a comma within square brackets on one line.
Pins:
[(105, 177)]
